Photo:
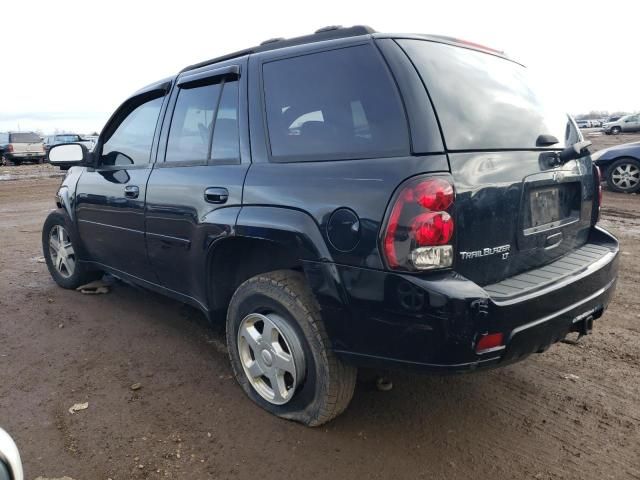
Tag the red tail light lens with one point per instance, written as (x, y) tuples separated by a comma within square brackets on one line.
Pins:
[(10, 148), (433, 228), (420, 227)]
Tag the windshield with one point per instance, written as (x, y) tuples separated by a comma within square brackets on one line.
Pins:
[(24, 137), (485, 102)]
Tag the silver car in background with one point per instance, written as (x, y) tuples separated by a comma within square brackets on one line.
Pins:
[(628, 123)]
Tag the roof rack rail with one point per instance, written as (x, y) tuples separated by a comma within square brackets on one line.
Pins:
[(326, 33), (271, 40), (328, 29)]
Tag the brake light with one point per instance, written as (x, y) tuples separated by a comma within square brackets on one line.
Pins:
[(10, 148), (420, 227)]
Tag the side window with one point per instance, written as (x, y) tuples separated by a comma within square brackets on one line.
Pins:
[(337, 104), (130, 143), (192, 124), (204, 126), (226, 140)]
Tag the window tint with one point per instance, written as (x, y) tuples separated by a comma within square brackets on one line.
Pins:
[(192, 124), (130, 144), (485, 102), (226, 142), (332, 105)]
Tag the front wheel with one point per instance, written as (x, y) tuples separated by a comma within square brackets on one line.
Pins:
[(280, 351), (616, 130), (59, 248), (624, 175)]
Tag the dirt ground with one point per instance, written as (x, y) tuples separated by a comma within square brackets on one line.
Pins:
[(570, 413)]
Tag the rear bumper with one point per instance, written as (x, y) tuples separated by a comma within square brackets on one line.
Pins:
[(24, 155), (432, 323)]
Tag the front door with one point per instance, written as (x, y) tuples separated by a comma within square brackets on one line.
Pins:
[(111, 197), (195, 190)]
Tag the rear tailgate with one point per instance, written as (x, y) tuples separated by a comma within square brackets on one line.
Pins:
[(26, 143), (514, 210)]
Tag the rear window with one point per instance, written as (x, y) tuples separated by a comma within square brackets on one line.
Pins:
[(331, 105), (484, 101), (24, 137), (67, 138)]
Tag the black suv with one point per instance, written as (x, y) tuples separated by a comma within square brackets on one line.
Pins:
[(345, 199)]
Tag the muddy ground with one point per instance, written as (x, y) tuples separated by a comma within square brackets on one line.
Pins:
[(571, 413)]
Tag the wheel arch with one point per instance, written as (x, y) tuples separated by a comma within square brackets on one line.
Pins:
[(265, 239)]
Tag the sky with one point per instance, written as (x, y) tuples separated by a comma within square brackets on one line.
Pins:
[(67, 65)]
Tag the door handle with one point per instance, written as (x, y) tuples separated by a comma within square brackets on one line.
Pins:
[(216, 195), (131, 191)]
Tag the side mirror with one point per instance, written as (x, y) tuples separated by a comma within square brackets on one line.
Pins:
[(10, 463), (68, 155)]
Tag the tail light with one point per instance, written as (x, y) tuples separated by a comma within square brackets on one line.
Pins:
[(419, 228), (9, 148), (597, 173)]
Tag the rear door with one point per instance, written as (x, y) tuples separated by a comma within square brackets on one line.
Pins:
[(111, 197), (514, 209), (195, 190)]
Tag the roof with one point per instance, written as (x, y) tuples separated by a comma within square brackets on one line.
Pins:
[(335, 32)]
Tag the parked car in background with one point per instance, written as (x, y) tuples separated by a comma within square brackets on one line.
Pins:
[(628, 123), (61, 138), (583, 123), (19, 147), (345, 199), (596, 123), (620, 166)]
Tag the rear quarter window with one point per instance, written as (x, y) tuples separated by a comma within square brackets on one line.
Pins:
[(330, 105), (485, 102)]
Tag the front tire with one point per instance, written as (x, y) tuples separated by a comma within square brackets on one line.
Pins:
[(616, 131), (624, 175), (59, 247), (280, 351)]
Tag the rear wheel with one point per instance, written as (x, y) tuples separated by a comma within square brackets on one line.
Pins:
[(624, 175), (59, 248), (280, 351)]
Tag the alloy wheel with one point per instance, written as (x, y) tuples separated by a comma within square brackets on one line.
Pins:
[(626, 176), (271, 356), (63, 257)]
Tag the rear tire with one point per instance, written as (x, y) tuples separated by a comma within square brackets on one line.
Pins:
[(320, 386), (59, 247), (624, 175)]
